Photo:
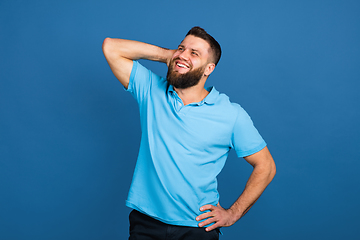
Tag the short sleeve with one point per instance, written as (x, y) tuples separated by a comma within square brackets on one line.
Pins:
[(246, 139), (140, 81)]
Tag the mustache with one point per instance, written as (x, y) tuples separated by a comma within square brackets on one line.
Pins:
[(178, 58)]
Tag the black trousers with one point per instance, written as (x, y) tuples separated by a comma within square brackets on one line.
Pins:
[(143, 227)]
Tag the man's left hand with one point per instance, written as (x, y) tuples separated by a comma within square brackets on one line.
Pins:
[(221, 217)]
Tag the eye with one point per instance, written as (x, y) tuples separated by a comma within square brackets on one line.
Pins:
[(181, 48), (195, 53)]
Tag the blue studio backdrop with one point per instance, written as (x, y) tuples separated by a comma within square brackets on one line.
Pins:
[(69, 133)]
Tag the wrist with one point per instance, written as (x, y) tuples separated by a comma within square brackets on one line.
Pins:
[(168, 56), (236, 213)]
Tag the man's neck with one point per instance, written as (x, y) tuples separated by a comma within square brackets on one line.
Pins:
[(193, 94)]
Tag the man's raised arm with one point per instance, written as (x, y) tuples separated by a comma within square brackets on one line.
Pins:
[(120, 54)]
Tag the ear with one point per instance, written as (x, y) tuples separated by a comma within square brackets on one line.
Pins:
[(209, 69)]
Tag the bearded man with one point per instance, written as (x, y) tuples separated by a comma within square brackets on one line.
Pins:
[(187, 133)]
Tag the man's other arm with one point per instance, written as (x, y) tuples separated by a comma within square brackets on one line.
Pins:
[(262, 174), (120, 54)]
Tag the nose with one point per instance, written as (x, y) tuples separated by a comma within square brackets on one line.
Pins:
[(184, 55)]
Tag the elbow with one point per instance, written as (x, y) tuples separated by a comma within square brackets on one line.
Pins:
[(272, 170), (107, 46), (268, 168), (113, 48)]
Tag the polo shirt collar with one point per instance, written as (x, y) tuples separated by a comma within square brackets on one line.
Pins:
[(212, 96), (209, 99)]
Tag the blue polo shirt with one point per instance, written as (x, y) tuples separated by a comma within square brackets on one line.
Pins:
[(183, 148)]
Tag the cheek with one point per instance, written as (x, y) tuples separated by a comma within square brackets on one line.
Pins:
[(175, 55), (197, 63)]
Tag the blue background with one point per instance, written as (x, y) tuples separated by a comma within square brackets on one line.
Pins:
[(69, 133)]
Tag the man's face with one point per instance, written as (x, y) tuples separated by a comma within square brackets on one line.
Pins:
[(189, 62)]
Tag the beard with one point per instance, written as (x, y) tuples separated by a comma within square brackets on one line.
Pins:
[(185, 80)]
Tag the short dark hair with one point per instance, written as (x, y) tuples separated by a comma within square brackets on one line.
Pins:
[(214, 45)]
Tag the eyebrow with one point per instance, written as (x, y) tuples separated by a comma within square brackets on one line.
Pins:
[(192, 49)]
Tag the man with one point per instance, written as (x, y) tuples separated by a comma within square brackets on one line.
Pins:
[(187, 132)]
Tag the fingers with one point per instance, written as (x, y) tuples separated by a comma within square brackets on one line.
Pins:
[(215, 215), (209, 216), (212, 227), (210, 208), (208, 222), (207, 207), (204, 216), (216, 223)]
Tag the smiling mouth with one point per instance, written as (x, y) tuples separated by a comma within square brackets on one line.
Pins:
[(181, 65)]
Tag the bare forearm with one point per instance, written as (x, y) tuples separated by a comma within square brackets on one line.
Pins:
[(255, 186), (120, 54), (134, 50)]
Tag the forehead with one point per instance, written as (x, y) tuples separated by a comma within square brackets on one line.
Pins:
[(196, 43)]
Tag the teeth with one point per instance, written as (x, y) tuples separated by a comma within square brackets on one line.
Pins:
[(181, 65)]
